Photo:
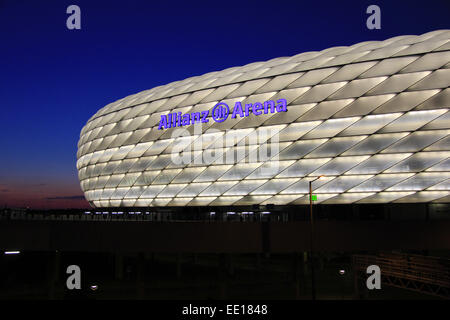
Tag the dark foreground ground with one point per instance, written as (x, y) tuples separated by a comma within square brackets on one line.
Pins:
[(42, 275)]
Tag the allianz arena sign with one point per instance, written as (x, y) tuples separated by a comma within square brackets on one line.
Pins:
[(220, 112)]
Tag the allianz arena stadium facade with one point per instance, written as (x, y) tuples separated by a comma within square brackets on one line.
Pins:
[(371, 119)]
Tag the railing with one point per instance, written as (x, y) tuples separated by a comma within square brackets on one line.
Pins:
[(425, 274), (136, 216)]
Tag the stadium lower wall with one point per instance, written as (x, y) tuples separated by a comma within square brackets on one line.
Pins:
[(223, 237)]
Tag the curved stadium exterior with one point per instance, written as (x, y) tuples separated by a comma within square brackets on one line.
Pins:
[(372, 118)]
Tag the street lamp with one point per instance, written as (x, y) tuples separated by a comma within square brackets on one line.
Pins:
[(311, 254)]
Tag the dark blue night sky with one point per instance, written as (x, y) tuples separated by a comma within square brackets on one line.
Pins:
[(52, 80)]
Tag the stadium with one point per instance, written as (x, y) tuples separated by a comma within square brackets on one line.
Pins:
[(370, 120)]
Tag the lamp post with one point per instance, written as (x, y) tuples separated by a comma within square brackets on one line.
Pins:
[(311, 254)]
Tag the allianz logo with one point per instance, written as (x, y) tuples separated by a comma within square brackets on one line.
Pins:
[(220, 113)]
